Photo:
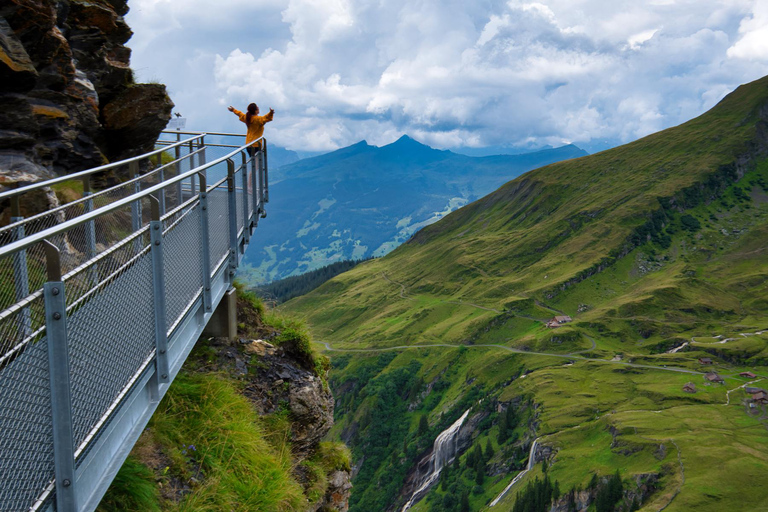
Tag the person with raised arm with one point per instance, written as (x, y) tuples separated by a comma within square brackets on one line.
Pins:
[(255, 125)]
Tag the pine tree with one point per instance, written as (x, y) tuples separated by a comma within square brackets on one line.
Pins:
[(511, 417), (503, 427), (464, 506), (423, 425), (470, 459), (480, 469), (544, 466), (593, 482), (488, 450)]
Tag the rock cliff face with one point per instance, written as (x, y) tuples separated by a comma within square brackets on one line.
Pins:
[(67, 96)]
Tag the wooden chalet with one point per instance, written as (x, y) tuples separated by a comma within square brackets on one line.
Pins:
[(705, 360), (761, 397), (748, 375), (713, 377), (689, 387), (559, 320)]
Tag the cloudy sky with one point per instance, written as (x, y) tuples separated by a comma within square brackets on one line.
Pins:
[(450, 73)]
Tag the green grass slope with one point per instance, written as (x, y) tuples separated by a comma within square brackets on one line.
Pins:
[(658, 244), (207, 448)]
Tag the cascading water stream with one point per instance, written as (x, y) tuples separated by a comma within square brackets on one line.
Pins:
[(531, 462), (443, 451)]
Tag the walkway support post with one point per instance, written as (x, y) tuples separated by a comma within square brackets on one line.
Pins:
[(205, 244), (58, 370), (158, 291)]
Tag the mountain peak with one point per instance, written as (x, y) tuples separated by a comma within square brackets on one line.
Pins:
[(405, 140)]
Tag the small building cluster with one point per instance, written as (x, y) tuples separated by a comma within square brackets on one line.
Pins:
[(559, 320)]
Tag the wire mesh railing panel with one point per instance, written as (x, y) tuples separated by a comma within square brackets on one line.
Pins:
[(20, 315), (182, 264), (110, 335), (218, 224), (26, 443)]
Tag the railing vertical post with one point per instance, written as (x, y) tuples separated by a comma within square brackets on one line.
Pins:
[(90, 232), (158, 292), (161, 196), (58, 368), (205, 243), (246, 221), (232, 202), (262, 210), (21, 278), (177, 166), (255, 188), (201, 154), (136, 206), (192, 179), (266, 170)]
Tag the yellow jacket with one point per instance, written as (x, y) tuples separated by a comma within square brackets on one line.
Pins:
[(256, 128)]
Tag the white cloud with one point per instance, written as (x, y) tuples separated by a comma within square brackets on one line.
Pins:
[(753, 43), (638, 39), (454, 73)]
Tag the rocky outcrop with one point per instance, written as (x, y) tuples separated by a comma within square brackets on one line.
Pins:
[(276, 379), (337, 497), (67, 96)]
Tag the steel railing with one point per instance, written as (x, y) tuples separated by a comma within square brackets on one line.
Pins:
[(99, 311)]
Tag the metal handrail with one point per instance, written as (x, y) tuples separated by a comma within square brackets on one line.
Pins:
[(96, 194), (220, 134), (41, 184), (207, 144), (82, 219)]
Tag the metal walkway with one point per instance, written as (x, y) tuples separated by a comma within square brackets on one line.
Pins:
[(101, 301)]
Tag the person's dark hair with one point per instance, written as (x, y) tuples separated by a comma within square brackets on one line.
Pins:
[(251, 112)]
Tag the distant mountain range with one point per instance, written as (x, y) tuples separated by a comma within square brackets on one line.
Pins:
[(363, 200)]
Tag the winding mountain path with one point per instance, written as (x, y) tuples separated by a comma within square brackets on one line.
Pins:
[(330, 348)]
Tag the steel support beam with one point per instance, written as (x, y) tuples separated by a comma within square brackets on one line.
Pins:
[(158, 294), (58, 369)]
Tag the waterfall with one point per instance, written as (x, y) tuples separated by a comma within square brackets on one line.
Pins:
[(443, 452), (531, 463)]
